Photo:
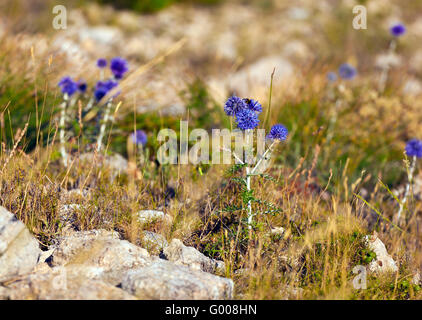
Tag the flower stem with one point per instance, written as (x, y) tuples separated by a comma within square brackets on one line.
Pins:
[(248, 187), (103, 125), (384, 72), (63, 107), (409, 183)]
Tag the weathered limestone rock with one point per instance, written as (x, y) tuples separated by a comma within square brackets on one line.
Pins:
[(384, 262), (180, 254), (153, 242), (19, 251), (150, 216), (62, 283), (99, 248), (167, 281)]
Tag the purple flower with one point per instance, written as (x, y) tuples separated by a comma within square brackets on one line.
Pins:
[(139, 137), (414, 148), (279, 132), (331, 76), (101, 63), (119, 67), (346, 71), (247, 119), (103, 87), (233, 105), (398, 30), (68, 86), (253, 105), (82, 86)]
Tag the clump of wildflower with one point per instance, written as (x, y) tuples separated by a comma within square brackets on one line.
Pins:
[(101, 63), (398, 30), (139, 137), (247, 119), (68, 86), (103, 87), (119, 67), (278, 132), (346, 71), (332, 76), (414, 148), (233, 105)]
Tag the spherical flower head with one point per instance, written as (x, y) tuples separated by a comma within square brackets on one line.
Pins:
[(347, 72), (82, 86), (103, 87), (278, 132), (68, 86), (101, 63), (332, 76), (253, 105), (398, 30), (139, 137), (233, 105), (414, 148), (247, 119), (119, 67)]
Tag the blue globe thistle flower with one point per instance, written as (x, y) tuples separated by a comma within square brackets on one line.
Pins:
[(346, 71), (247, 119), (253, 105), (119, 67), (139, 137), (279, 132), (398, 30), (103, 87), (414, 148), (233, 105), (101, 63), (82, 86), (68, 86), (332, 76)]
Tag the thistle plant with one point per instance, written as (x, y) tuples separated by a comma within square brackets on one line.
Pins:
[(414, 150), (396, 31), (118, 67), (68, 88), (246, 113)]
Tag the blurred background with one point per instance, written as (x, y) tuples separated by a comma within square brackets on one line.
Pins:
[(187, 56)]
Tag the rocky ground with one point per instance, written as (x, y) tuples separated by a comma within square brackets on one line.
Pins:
[(97, 264)]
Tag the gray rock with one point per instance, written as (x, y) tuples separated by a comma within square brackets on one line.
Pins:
[(166, 281), (99, 248), (153, 242), (19, 251), (63, 283), (258, 75), (180, 254), (384, 262), (150, 216)]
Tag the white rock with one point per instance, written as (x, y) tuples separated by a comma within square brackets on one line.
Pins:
[(383, 262), (99, 248), (178, 253), (167, 281), (150, 216), (19, 250), (259, 75)]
